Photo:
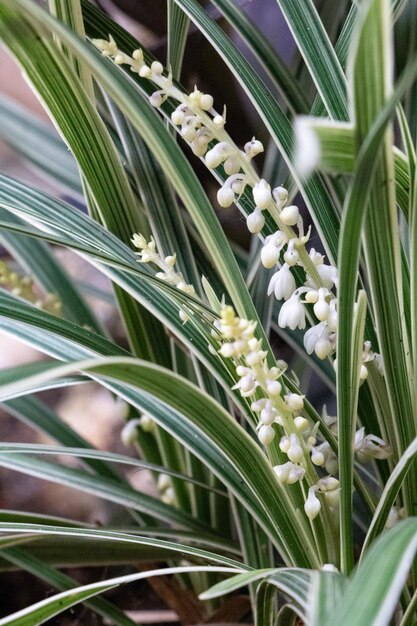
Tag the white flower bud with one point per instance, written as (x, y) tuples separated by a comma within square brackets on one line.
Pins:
[(129, 432), (269, 255), (217, 155), (273, 387), (188, 130), (262, 194), (291, 257), (312, 505), (145, 71), (255, 221), (266, 435), (252, 148), (323, 348), (169, 496), (164, 482), (228, 350), (156, 99), (301, 423), (267, 415), (294, 401), (295, 451), (280, 195), (258, 405), (157, 68), (284, 444), (329, 483), (195, 96), (363, 375), (311, 297), (225, 197), (321, 310), (282, 472), (317, 457), (231, 165), (178, 117), (206, 102), (219, 121), (147, 424), (289, 215), (255, 358)]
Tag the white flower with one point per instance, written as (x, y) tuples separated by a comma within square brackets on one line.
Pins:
[(313, 335), (129, 433), (307, 146), (289, 215), (282, 283), (255, 221), (269, 255), (370, 447), (312, 505), (266, 435), (252, 148), (262, 194), (295, 451), (321, 308), (289, 473), (225, 197), (294, 401), (280, 196), (217, 155), (292, 314)]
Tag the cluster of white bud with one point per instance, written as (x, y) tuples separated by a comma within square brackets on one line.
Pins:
[(24, 287), (273, 407), (148, 254), (200, 125)]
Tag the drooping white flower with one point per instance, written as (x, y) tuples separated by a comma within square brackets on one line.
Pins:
[(282, 283), (292, 314), (369, 447)]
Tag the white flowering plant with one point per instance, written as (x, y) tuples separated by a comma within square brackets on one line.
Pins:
[(257, 485)]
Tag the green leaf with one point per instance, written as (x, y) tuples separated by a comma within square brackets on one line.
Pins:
[(319, 55), (275, 68), (207, 434), (39, 612), (389, 495), (25, 132), (61, 581), (122, 538), (374, 589), (178, 24)]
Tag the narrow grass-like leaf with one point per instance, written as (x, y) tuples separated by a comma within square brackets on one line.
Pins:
[(318, 54), (389, 495), (38, 613), (374, 589), (223, 435), (24, 131), (275, 68)]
